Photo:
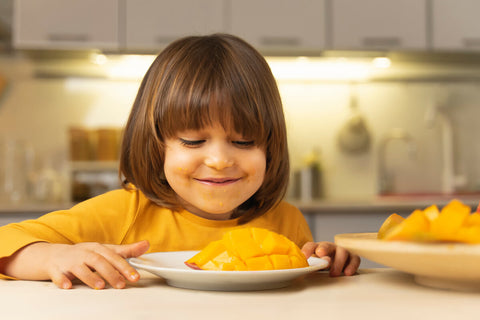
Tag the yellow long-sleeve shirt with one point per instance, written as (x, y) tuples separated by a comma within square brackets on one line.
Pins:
[(122, 217)]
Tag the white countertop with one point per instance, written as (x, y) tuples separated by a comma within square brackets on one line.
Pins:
[(372, 294)]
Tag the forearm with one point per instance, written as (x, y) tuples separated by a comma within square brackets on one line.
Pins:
[(27, 263)]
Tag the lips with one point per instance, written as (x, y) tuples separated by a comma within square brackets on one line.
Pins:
[(218, 181)]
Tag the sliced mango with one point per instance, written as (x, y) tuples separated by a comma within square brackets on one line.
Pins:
[(454, 223), (449, 221), (414, 227), (392, 221), (249, 249), (431, 213)]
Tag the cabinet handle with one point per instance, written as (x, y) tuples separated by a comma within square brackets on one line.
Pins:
[(279, 41), (382, 42), (57, 37), (471, 42)]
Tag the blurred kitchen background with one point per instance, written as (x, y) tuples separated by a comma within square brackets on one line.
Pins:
[(382, 97)]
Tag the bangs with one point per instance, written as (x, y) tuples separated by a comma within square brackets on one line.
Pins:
[(209, 93)]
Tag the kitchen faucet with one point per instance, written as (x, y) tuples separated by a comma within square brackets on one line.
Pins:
[(385, 178), (449, 180)]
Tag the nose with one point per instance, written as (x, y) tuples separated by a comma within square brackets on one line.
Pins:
[(219, 157)]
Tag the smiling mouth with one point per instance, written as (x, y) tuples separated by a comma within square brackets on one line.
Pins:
[(218, 181)]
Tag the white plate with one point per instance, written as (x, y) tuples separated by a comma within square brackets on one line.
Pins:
[(171, 267), (453, 266)]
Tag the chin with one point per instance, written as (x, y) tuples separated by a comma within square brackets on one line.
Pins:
[(218, 211)]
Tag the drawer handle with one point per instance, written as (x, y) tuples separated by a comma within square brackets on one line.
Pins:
[(279, 41), (382, 42), (59, 37)]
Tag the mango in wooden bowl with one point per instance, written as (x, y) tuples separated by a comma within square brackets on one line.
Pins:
[(454, 223), (249, 249)]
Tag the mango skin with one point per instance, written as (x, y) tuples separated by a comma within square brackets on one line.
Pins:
[(249, 249), (454, 223)]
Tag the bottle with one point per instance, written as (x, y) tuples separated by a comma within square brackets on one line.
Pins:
[(311, 186)]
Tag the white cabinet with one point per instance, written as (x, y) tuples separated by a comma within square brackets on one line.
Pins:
[(152, 24), (62, 24), (279, 24), (455, 25), (379, 24)]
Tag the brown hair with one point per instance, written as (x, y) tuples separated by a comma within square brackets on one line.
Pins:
[(197, 81)]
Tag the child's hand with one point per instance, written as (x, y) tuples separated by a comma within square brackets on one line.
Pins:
[(92, 263), (340, 260)]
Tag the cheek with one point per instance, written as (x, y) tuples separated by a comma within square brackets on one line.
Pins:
[(174, 165), (258, 167)]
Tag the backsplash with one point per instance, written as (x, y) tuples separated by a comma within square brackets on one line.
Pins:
[(40, 111)]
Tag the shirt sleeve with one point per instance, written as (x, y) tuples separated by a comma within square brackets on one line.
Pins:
[(104, 219)]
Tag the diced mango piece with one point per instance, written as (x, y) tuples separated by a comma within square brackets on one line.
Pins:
[(297, 262), (275, 243), (281, 261), (249, 249), (259, 234), (259, 263)]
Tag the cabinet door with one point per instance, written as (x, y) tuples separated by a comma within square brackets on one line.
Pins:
[(152, 24), (61, 24), (379, 24), (456, 25), (279, 24)]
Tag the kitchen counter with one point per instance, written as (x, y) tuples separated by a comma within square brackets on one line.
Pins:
[(378, 293), (37, 208), (387, 203), (374, 203)]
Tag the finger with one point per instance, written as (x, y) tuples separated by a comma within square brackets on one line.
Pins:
[(61, 280), (131, 250), (110, 266), (352, 266), (339, 261), (87, 276), (325, 248), (118, 253), (309, 248)]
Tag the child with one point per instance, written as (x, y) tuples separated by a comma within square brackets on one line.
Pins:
[(204, 151)]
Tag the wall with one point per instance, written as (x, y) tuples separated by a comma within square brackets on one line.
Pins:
[(316, 111), (41, 109)]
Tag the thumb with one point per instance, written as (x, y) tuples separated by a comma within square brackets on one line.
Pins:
[(132, 250)]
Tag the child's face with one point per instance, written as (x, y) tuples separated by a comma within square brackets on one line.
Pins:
[(213, 172)]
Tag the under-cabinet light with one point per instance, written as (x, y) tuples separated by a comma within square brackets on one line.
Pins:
[(305, 68), (130, 67), (381, 62)]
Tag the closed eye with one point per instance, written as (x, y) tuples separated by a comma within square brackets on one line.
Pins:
[(244, 144), (191, 143)]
